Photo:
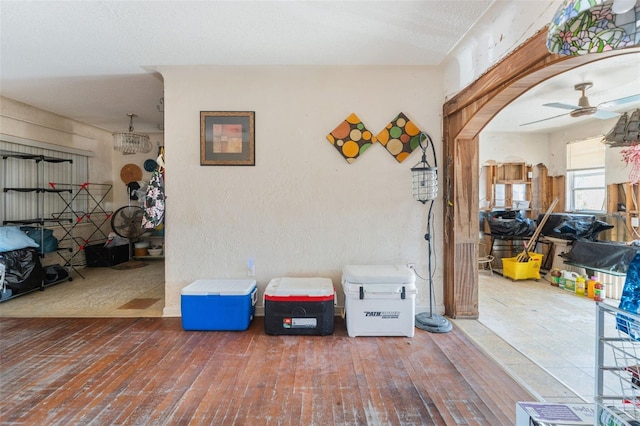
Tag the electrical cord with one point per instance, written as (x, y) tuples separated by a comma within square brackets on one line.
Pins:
[(431, 255)]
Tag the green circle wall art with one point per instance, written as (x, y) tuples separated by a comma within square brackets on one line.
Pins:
[(400, 137)]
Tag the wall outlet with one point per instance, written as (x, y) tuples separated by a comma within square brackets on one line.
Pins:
[(635, 222), (251, 268)]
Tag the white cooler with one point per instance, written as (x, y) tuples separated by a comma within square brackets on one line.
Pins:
[(380, 300)]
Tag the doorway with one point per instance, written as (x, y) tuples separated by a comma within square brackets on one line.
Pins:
[(464, 116)]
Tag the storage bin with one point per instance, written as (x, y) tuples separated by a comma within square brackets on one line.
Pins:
[(99, 255), (529, 270), (299, 306), (218, 305), (380, 300)]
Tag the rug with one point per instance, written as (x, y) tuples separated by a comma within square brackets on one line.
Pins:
[(139, 303), (132, 264)]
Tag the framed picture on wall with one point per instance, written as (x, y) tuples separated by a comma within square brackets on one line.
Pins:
[(227, 138)]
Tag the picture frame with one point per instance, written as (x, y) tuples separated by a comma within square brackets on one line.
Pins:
[(227, 138)]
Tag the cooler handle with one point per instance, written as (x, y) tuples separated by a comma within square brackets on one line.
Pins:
[(254, 296), (403, 293)]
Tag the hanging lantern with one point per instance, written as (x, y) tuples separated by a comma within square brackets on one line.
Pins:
[(425, 176)]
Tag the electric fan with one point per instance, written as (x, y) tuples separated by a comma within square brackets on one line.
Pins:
[(127, 222)]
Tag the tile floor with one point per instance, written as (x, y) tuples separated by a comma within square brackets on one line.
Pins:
[(542, 335)]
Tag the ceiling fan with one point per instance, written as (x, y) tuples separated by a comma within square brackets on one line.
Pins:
[(584, 108)]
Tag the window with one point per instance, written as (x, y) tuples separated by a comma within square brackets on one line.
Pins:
[(586, 187), (26, 174)]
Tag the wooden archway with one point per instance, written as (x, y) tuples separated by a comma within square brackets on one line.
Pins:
[(464, 116)]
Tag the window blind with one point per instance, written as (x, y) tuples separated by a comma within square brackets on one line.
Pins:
[(585, 154)]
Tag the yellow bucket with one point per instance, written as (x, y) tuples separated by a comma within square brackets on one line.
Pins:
[(529, 270)]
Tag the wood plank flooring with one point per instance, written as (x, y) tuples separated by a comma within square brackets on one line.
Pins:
[(148, 371)]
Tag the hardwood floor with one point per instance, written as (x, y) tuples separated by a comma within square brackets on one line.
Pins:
[(148, 371)]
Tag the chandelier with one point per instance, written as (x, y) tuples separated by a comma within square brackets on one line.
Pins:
[(130, 142)]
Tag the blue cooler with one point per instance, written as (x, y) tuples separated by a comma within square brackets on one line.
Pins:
[(218, 305)]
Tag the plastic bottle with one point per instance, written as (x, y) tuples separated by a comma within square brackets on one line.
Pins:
[(580, 285), (591, 287), (561, 279), (555, 277), (570, 281), (598, 292)]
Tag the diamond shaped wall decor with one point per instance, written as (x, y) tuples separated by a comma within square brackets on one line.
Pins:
[(351, 138), (400, 137)]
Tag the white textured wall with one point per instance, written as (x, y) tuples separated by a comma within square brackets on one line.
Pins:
[(302, 210), (504, 27), (514, 147), (24, 121)]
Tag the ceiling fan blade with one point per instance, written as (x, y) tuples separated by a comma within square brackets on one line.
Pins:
[(561, 105), (605, 115), (621, 101), (544, 119)]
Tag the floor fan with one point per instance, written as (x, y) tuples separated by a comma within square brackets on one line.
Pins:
[(425, 189)]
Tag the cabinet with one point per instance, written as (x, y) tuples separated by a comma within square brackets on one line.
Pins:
[(29, 198), (545, 189), (617, 366), (622, 202), (520, 186), (508, 186)]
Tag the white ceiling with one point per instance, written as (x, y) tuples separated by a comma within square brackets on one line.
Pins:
[(93, 61), (613, 78)]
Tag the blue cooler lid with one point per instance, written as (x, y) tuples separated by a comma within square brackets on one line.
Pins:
[(219, 288), (378, 274)]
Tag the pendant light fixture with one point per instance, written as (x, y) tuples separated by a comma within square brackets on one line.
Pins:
[(130, 142), (580, 27)]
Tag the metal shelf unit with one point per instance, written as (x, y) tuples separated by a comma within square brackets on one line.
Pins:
[(617, 366), (28, 198)]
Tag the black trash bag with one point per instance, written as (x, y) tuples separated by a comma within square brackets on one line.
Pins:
[(510, 223), (54, 274), (603, 255), (573, 226), (580, 229), (24, 271)]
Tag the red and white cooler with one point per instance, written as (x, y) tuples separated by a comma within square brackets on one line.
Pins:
[(299, 306), (380, 300)]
